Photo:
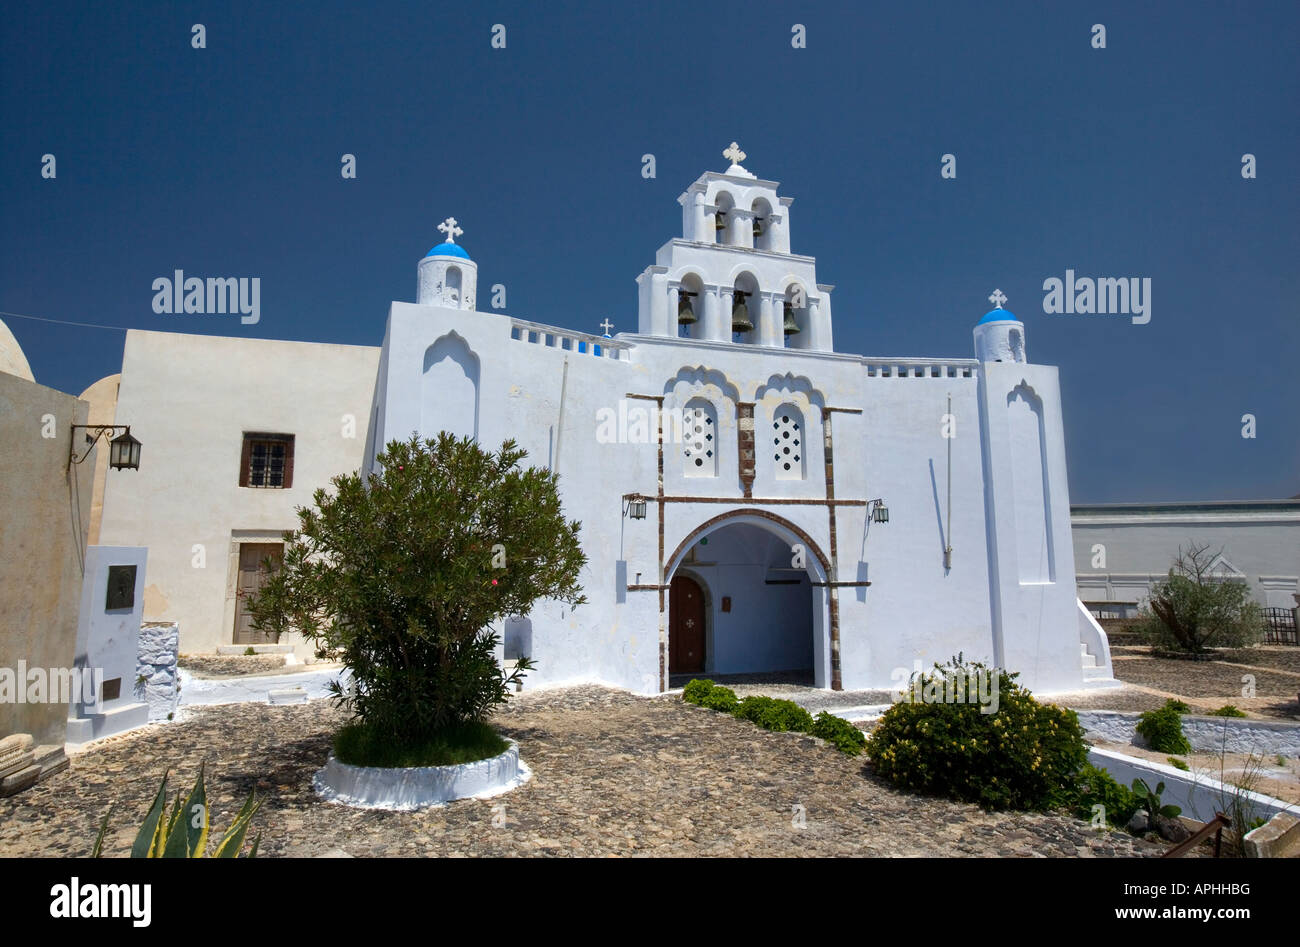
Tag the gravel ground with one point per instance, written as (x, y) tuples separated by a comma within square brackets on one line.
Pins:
[(614, 774)]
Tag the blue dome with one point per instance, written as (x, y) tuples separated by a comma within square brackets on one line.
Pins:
[(448, 249), (998, 315)]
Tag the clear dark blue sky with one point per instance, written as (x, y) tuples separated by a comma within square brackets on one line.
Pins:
[(1116, 162)]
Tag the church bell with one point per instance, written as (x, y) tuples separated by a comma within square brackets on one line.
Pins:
[(791, 327), (758, 227), (685, 312), (740, 321), (719, 221)]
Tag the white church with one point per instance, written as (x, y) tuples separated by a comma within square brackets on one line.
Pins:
[(752, 500)]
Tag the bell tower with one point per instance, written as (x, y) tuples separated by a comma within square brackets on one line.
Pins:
[(999, 335), (448, 277), (731, 276)]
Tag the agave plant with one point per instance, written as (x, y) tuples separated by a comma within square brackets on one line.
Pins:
[(185, 833)]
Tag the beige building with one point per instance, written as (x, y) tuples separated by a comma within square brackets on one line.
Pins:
[(237, 434), (44, 520)]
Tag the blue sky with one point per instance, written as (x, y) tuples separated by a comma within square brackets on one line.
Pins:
[(1122, 162)]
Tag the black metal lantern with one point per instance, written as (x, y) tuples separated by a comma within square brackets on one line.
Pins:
[(124, 452), (635, 506), (879, 512)]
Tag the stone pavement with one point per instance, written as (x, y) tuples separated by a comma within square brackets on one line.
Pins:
[(614, 774)]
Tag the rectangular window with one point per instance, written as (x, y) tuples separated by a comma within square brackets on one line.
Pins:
[(267, 461)]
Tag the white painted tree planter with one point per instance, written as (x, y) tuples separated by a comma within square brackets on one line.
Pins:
[(408, 788)]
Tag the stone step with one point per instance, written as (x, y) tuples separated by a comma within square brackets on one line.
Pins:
[(1095, 674), (1089, 661), (287, 695)]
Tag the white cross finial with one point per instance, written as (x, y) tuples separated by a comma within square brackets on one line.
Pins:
[(449, 227), (734, 154), (997, 298), (607, 325)]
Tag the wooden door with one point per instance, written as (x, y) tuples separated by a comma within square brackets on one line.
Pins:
[(252, 576), (685, 626)]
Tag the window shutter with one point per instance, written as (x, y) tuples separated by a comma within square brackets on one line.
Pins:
[(245, 459), (288, 463)]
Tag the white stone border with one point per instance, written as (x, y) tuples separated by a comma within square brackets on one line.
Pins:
[(405, 789), (1198, 795), (1204, 733)]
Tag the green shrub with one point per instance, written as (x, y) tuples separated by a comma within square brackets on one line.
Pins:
[(1024, 755), (696, 690), (1176, 763), (772, 714), (1163, 730), (359, 744), (1178, 705), (1097, 787), (403, 572), (839, 733), (722, 699), (1191, 610), (1227, 710)]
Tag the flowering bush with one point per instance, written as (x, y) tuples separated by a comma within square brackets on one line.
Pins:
[(1025, 755)]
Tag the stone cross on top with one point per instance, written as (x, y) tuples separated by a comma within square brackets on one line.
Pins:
[(734, 154), (607, 325), (997, 298), (449, 227)]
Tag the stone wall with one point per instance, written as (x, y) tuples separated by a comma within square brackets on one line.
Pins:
[(1233, 734), (44, 516), (157, 677)]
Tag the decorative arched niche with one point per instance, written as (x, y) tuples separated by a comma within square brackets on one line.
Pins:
[(1031, 489), (449, 388)]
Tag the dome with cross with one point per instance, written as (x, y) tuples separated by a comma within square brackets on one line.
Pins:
[(997, 313), (449, 246)]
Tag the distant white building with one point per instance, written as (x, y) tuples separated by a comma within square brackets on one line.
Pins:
[(751, 499), (1122, 548)]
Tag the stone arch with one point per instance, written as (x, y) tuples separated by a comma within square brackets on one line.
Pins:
[(449, 388), (701, 376), (816, 567)]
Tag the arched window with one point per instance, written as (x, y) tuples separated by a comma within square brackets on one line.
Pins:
[(700, 438), (795, 324), (452, 293), (722, 217), (690, 307), (788, 443), (744, 309), (762, 224)]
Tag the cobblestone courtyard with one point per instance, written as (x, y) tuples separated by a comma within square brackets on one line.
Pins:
[(614, 774)]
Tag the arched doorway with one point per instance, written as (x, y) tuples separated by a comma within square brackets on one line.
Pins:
[(686, 626), (766, 605)]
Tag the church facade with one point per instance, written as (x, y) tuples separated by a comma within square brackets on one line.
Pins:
[(751, 499)]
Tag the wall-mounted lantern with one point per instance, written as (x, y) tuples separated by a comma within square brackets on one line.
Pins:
[(123, 450), (879, 512), (635, 506)]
